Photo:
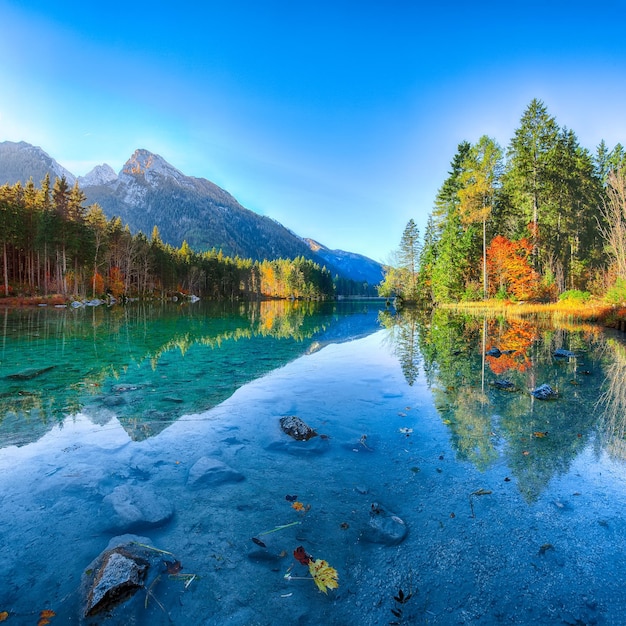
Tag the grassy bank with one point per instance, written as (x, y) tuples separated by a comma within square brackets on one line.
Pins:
[(595, 311)]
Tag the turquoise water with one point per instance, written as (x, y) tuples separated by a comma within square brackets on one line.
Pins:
[(481, 505)]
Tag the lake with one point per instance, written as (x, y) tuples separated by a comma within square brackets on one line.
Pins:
[(435, 484)]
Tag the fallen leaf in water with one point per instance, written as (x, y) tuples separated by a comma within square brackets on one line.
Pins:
[(3, 616), (173, 567), (507, 479), (44, 617), (344, 526), (259, 542), (324, 575), (525, 453), (301, 555), (298, 506), (291, 498), (481, 492), (540, 434)]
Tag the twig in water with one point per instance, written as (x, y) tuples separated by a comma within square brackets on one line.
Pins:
[(267, 532), (144, 545)]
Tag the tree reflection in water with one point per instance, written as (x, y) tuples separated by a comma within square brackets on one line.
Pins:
[(535, 439)]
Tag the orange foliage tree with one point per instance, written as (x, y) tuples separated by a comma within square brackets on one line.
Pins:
[(508, 265)]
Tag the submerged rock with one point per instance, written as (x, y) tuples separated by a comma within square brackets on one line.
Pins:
[(544, 392), (133, 508), (296, 428), (207, 471), (494, 352), (560, 353), (30, 373), (383, 527), (504, 384)]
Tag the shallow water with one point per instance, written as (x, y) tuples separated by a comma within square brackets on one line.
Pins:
[(513, 506)]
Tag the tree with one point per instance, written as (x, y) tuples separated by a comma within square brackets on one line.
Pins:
[(614, 228), (509, 268), (530, 163), (453, 239), (480, 179)]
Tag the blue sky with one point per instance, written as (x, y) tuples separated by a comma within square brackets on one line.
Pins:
[(338, 119)]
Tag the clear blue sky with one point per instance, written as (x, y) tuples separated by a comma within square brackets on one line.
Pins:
[(338, 119)]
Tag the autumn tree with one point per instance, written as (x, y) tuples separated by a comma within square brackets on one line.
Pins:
[(479, 182), (510, 271)]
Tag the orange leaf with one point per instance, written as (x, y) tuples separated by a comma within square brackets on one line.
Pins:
[(298, 506), (3, 616), (47, 613)]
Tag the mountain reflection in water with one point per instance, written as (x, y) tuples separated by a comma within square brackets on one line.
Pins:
[(148, 364)]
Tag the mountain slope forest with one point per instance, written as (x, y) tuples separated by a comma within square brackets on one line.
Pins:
[(542, 218), (51, 243)]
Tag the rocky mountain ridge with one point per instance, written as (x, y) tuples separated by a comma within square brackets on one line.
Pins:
[(148, 191)]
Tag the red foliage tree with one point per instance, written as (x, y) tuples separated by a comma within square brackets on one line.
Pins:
[(509, 268)]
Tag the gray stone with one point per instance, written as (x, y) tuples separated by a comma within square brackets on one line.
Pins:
[(207, 472), (544, 392), (118, 578), (383, 527), (134, 507), (505, 385), (296, 428), (112, 578), (561, 353)]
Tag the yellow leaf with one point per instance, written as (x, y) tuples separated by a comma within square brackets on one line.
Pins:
[(4, 616), (298, 506), (324, 575)]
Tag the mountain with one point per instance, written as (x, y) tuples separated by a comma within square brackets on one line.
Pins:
[(358, 267), (19, 161), (148, 192)]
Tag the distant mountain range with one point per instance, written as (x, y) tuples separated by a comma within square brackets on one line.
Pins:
[(149, 192)]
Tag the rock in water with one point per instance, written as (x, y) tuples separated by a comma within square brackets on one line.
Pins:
[(206, 471), (31, 373), (544, 392), (118, 578), (495, 352), (384, 527), (296, 428), (504, 384), (134, 507), (561, 353)]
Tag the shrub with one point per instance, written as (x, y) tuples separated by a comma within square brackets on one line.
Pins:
[(575, 296), (617, 293)]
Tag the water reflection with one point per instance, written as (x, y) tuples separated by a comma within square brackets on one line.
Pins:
[(480, 371), (149, 364)]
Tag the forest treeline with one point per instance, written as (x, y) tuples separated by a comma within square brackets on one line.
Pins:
[(52, 244), (542, 218)]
